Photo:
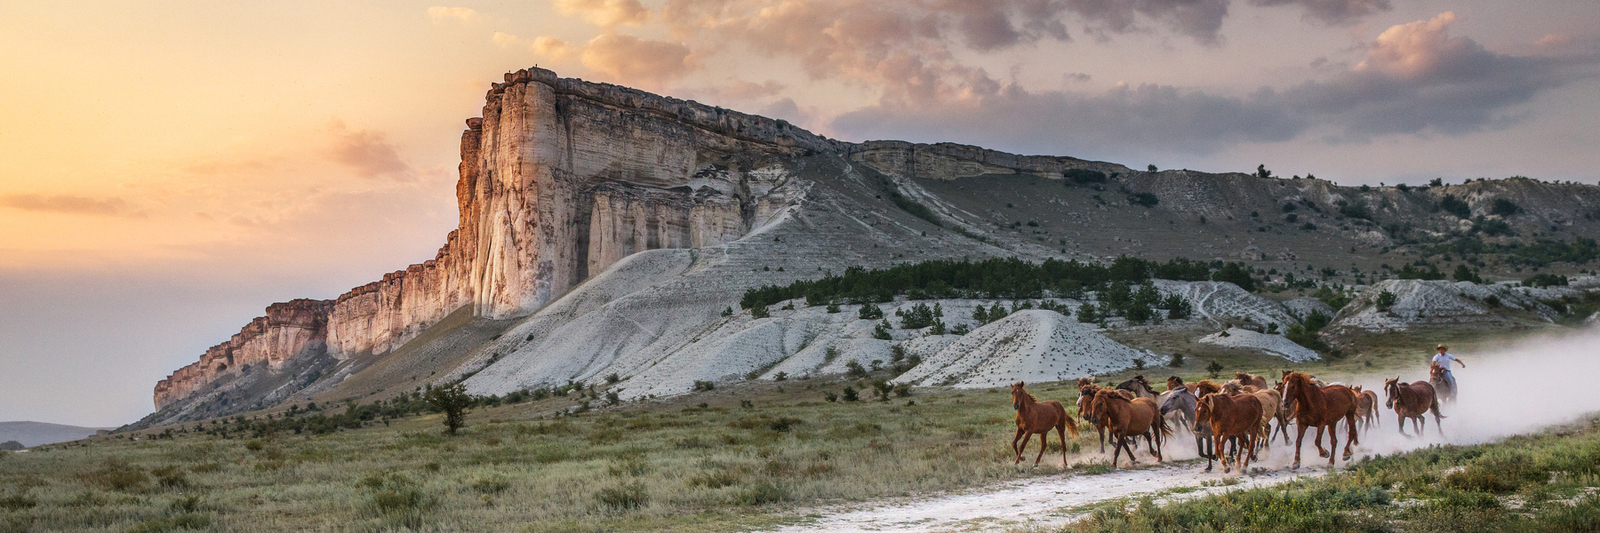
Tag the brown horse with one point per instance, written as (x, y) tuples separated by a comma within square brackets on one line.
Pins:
[(1321, 408), (1271, 409), (1127, 419), (1086, 392), (1235, 416), (1250, 379), (1441, 384), (1412, 400), (1285, 413), (1366, 406), (1038, 418)]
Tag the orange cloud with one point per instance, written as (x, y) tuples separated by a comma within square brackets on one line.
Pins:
[(629, 59), (460, 14), (1417, 48), (65, 204), (367, 152), (607, 14)]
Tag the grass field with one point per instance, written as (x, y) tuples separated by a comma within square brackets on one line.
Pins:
[(739, 457)]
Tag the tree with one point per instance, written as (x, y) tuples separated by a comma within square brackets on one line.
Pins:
[(1152, 168), (1262, 172), (1386, 300), (1214, 369), (453, 401), (1466, 274)]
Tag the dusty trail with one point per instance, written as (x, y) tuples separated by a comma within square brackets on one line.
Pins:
[(1038, 502), (1556, 367)]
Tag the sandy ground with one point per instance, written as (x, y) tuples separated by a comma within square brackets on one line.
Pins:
[(1034, 503)]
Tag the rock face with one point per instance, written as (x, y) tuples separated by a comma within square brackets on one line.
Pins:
[(559, 179)]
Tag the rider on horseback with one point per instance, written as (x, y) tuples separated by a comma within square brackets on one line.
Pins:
[(1443, 359)]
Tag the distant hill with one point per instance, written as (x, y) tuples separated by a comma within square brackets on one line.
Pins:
[(36, 433)]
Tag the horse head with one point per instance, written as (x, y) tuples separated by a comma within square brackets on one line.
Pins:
[(1086, 401), (1174, 383), (1202, 408), (1017, 395), (1391, 389)]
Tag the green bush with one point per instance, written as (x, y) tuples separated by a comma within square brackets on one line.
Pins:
[(761, 493), (453, 401), (1455, 206)]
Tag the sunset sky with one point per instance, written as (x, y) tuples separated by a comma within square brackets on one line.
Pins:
[(168, 169)]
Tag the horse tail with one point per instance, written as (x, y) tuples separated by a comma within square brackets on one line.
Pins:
[(1072, 427), (1435, 407), (1162, 427)]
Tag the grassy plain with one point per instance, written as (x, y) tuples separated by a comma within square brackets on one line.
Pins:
[(739, 457)]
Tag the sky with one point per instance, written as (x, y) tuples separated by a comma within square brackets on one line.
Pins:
[(170, 168)]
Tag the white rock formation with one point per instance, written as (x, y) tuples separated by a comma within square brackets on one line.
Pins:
[(1031, 345), (1275, 345)]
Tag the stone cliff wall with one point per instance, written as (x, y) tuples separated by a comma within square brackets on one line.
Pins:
[(948, 161), (559, 179), (289, 330)]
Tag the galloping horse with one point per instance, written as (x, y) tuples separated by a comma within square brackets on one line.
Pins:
[(1441, 384), (1366, 406), (1412, 400), (1127, 419), (1139, 387), (1086, 392), (1236, 416), (1180, 402), (1245, 378), (1038, 418), (1321, 408)]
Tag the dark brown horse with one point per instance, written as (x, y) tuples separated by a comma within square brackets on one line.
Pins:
[(1086, 392), (1127, 419), (1412, 400), (1321, 408), (1441, 384), (1231, 416), (1366, 406), (1038, 418)]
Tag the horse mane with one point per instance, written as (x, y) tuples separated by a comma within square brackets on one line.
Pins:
[(1303, 384)]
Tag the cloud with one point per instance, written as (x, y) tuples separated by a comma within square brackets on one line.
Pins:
[(368, 153), (1335, 12), (460, 14), (606, 14), (631, 59), (66, 204), (737, 89), (1416, 79)]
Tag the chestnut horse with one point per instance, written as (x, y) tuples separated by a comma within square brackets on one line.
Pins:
[(1128, 419), (1250, 379), (1086, 393), (1038, 418), (1441, 384), (1412, 400), (1321, 408), (1366, 406), (1236, 416)]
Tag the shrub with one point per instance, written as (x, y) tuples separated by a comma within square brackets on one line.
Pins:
[(453, 401), (1504, 207), (1214, 369), (1455, 206), (830, 396), (1175, 361), (760, 311), (700, 386), (397, 498), (1081, 176), (780, 376), (1386, 300), (118, 475), (624, 496), (1138, 364), (869, 312), (762, 493), (1143, 199), (855, 370), (881, 331), (171, 477), (1545, 280), (850, 394)]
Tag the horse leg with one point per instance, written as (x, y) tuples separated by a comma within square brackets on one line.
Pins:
[(1318, 441), (1044, 444), (1298, 442), (1250, 440), (1402, 420), (1102, 430), (1350, 420), (1222, 456), (1015, 448), (1437, 423), (1333, 440), (1157, 434), (1061, 432), (1116, 449)]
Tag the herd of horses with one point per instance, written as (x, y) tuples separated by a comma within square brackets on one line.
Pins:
[(1239, 414)]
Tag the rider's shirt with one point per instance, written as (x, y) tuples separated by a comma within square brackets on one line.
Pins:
[(1444, 360)]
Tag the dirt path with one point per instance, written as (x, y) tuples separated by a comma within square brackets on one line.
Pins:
[(1040, 502)]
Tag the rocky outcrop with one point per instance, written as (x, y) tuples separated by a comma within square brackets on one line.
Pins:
[(948, 161), (559, 179), (290, 329)]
